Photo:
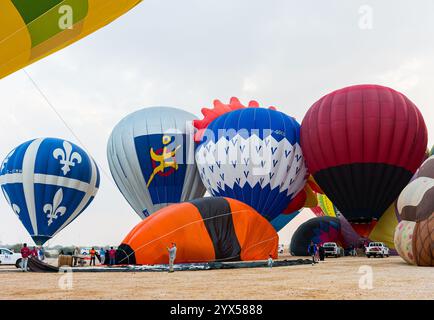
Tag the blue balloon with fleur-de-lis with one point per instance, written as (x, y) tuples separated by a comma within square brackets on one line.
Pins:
[(48, 182), (254, 155)]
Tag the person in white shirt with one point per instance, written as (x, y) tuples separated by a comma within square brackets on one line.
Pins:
[(270, 261), (172, 256)]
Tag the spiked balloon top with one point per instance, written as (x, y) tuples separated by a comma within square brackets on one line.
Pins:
[(219, 109)]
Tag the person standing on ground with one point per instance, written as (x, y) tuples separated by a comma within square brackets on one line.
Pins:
[(172, 256), (354, 251), (25, 254), (312, 251), (34, 252), (107, 257), (102, 255), (112, 255), (41, 254), (76, 254), (321, 252), (92, 253), (270, 261)]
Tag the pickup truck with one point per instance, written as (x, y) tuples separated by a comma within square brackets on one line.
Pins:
[(377, 249), (331, 249), (9, 257)]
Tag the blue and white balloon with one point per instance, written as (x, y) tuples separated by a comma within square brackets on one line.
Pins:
[(48, 182), (151, 158), (253, 155)]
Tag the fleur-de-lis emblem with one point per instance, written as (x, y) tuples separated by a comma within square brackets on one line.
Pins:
[(66, 157), (53, 210)]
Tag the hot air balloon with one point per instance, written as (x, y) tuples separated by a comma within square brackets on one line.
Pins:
[(151, 159), (48, 182), (363, 144), (32, 30), (204, 230), (319, 230), (251, 154), (414, 235)]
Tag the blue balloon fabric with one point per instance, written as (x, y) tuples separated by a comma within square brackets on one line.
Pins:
[(48, 182), (282, 220), (253, 155)]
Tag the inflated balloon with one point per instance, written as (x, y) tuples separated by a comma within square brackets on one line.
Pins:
[(253, 155), (363, 144), (204, 230), (319, 230), (32, 30), (151, 159), (416, 201), (414, 235), (48, 182)]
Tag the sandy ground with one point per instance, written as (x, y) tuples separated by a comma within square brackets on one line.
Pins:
[(331, 279)]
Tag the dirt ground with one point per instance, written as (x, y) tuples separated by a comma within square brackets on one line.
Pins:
[(332, 279)]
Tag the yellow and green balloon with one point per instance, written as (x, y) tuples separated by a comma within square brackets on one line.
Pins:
[(31, 30)]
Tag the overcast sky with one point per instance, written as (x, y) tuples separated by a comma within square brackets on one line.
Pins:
[(187, 53)]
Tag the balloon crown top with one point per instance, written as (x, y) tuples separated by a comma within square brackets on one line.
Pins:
[(209, 115)]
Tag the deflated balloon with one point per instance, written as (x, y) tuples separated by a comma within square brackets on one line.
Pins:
[(32, 30), (151, 158), (363, 144), (48, 182), (204, 230)]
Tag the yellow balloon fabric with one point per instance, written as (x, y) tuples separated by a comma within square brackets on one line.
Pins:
[(384, 230), (32, 30), (311, 199), (326, 205)]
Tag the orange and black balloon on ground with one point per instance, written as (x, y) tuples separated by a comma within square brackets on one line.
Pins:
[(204, 230)]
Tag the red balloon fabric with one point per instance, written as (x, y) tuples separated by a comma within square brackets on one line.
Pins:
[(362, 144)]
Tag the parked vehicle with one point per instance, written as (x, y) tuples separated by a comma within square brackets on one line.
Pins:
[(332, 249), (8, 257), (377, 249)]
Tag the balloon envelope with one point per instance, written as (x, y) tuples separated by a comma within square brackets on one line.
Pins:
[(204, 230), (151, 158), (48, 182), (282, 220), (31, 30), (362, 144), (414, 236), (253, 155), (319, 230)]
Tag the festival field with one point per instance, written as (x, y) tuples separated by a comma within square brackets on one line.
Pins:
[(331, 279)]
